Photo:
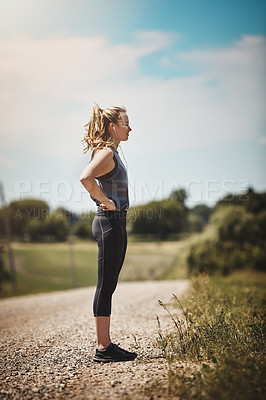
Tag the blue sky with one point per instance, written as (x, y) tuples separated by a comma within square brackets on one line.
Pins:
[(191, 74)]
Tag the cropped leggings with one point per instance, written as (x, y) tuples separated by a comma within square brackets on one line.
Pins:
[(109, 230)]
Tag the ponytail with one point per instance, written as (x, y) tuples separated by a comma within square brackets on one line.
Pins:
[(97, 135)]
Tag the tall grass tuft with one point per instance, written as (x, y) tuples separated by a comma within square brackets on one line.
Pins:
[(220, 338)]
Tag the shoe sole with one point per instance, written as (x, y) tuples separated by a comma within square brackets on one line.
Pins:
[(107, 360)]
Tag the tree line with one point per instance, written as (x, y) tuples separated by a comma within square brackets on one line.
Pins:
[(32, 220), (234, 230)]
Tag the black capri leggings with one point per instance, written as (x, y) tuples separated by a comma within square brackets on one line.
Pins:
[(109, 230)]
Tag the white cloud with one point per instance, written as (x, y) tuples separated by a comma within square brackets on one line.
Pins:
[(49, 85), (46, 83)]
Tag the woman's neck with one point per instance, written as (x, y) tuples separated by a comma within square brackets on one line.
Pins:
[(115, 145)]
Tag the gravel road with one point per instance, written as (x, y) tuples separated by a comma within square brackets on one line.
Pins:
[(48, 341)]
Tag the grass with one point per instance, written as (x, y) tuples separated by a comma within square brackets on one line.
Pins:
[(46, 267), (43, 267), (220, 340)]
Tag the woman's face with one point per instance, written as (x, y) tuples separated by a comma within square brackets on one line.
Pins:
[(121, 129)]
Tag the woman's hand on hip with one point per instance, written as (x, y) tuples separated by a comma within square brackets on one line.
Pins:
[(108, 205)]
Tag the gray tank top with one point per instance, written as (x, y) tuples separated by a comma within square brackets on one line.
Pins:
[(114, 184)]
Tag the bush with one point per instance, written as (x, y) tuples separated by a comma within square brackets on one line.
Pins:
[(250, 201), (53, 228), (20, 213), (237, 242), (159, 218), (83, 227), (198, 217)]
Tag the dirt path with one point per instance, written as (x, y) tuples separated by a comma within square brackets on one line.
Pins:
[(48, 341)]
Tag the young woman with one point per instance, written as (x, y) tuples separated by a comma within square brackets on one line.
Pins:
[(105, 130)]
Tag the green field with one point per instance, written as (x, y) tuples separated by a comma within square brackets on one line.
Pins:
[(46, 267)]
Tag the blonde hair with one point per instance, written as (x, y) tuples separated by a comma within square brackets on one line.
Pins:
[(97, 135)]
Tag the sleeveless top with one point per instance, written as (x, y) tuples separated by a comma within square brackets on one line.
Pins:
[(114, 184)]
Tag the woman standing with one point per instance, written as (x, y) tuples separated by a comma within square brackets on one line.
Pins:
[(105, 130)]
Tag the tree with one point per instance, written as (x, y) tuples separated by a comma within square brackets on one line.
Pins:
[(20, 213), (252, 201), (83, 226), (69, 215), (179, 195), (160, 218), (198, 217), (52, 228)]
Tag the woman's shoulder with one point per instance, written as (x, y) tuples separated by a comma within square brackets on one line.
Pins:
[(103, 153)]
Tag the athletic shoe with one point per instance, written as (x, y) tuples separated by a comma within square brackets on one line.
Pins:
[(113, 353)]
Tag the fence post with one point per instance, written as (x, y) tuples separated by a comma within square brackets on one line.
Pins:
[(8, 240), (73, 271)]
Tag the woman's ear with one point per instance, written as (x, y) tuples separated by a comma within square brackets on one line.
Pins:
[(112, 128)]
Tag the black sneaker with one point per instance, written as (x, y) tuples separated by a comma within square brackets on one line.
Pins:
[(113, 353)]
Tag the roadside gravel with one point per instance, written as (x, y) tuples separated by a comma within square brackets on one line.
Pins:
[(48, 340)]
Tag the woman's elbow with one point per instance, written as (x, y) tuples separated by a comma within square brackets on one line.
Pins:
[(83, 178)]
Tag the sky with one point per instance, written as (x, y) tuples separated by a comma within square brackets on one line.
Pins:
[(190, 73)]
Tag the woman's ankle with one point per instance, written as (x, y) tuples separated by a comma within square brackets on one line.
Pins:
[(102, 346)]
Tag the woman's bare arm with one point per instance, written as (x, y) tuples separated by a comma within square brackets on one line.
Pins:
[(101, 164)]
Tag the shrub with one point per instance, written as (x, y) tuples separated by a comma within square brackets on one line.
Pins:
[(83, 227), (20, 213), (159, 218), (53, 227), (198, 217), (237, 241)]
